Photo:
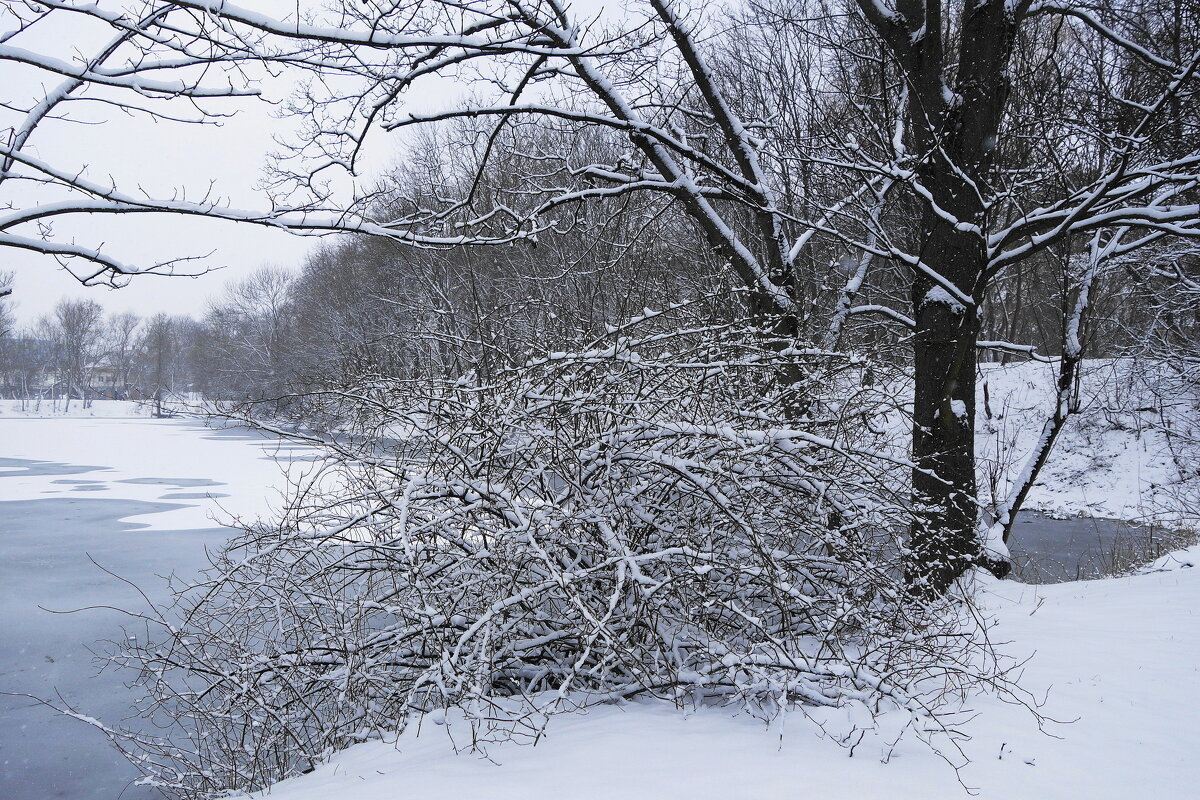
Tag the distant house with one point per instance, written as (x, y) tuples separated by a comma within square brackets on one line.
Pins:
[(106, 382)]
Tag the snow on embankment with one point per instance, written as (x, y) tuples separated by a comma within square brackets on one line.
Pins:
[(1117, 659), (1117, 458), (100, 409)]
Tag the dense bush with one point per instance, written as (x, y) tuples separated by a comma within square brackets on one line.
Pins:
[(632, 519)]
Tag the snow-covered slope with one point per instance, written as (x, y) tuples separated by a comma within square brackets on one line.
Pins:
[(1112, 460), (1116, 661)]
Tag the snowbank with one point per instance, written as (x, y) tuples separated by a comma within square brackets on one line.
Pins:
[(1117, 661), (97, 409), (1113, 460)]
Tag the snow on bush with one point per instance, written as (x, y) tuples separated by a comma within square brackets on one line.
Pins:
[(635, 519)]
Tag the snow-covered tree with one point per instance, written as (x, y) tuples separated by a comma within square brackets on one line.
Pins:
[(636, 519), (121, 349), (691, 501), (939, 138), (6, 315), (650, 82)]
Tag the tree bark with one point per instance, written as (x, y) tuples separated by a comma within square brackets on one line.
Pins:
[(943, 538), (954, 119)]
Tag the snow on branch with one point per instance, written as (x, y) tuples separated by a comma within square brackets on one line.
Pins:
[(584, 528)]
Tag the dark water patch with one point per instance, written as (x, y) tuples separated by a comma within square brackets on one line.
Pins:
[(91, 487), (1047, 550), (45, 545), (27, 468), (179, 482), (191, 495), (75, 481)]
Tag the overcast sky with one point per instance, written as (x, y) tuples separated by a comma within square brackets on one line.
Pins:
[(162, 158), (170, 160)]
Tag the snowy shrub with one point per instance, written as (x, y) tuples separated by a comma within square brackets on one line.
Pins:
[(634, 519)]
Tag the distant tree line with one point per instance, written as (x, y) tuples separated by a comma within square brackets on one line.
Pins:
[(78, 353), (372, 307)]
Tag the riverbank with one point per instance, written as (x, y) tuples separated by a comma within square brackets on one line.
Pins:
[(1130, 454), (1112, 663), (145, 497)]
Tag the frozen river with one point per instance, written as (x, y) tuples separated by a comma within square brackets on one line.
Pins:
[(140, 497), (1046, 550)]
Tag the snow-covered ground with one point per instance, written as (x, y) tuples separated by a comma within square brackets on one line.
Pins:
[(1113, 461), (1116, 661)]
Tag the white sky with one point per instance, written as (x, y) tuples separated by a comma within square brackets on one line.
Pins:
[(163, 158)]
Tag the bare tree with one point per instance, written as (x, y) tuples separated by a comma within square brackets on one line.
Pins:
[(75, 330), (249, 335), (158, 349), (6, 315), (154, 62), (1130, 196), (121, 350)]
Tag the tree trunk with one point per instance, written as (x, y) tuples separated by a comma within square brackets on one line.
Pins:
[(954, 119), (943, 537)]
